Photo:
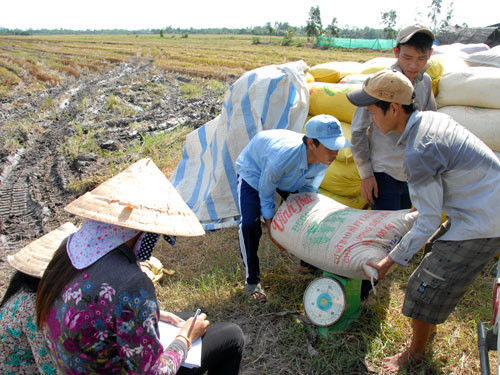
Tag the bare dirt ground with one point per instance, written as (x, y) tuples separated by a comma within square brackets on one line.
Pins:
[(34, 179)]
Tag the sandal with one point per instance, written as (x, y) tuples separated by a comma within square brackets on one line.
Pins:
[(255, 292), (307, 270)]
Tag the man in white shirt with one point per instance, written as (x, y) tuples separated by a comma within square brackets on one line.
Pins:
[(449, 169), (378, 158)]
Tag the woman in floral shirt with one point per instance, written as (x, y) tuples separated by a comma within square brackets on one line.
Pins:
[(22, 347), (99, 310)]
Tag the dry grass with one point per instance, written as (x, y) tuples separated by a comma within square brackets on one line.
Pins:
[(210, 275), (42, 58)]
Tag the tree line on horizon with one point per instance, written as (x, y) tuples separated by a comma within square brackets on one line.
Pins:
[(279, 29), (438, 18)]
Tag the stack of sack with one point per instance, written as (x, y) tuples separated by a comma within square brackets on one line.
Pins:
[(468, 94), (471, 96), (469, 89), (450, 58), (489, 57), (328, 85)]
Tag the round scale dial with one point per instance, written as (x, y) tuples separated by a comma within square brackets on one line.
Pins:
[(324, 301)]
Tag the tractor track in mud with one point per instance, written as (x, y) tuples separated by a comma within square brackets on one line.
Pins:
[(34, 179)]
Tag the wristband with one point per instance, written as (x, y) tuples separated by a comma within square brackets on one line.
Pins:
[(188, 341)]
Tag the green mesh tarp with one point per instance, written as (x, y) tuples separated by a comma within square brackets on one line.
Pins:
[(356, 43)]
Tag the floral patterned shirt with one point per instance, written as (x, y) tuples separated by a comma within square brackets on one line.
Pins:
[(106, 322), (22, 348)]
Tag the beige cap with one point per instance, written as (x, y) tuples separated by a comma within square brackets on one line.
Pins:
[(406, 33), (141, 198), (34, 258), (387, 85)]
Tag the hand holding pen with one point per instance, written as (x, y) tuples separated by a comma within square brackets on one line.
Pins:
[(194, 328)]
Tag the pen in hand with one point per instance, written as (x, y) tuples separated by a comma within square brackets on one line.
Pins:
[(193, 322)]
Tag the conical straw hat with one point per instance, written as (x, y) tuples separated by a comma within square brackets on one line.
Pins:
[(141, 198), (34, 258)]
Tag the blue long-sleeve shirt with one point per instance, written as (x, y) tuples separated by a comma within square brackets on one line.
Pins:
[(449, 169), (278, 159)]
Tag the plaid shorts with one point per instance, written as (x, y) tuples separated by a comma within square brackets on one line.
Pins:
[(443, 276)]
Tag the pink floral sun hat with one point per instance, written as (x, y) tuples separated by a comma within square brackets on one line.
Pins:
[(94, 240)]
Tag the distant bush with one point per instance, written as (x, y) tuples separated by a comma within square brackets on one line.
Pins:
[(287, 38), (184, 35), (255, 40)]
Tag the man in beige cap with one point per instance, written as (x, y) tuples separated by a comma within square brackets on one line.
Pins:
[(379, 160), (449, 169)]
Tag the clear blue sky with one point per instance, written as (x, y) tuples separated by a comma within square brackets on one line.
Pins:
[(146, 14)]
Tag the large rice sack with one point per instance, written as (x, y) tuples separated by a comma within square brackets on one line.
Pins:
[(435, 71), (336, 238), (460, 49), (490, 57), (356, 201), (334, 71), (342, 178), (482, 122), (355, 78), (474, 86), (377, 64), (309, 77), (331, 99), (448, 63), (345, 154)]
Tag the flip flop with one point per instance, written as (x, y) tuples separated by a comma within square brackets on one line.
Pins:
[(254, 290), (307, 270)]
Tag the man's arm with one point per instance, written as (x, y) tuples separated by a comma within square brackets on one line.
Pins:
[(268, 183), (361, 154), (426, 192), (382, 267), (268, 226), (430, 104)]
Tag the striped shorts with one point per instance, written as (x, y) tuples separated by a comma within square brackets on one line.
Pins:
[(443, 276)]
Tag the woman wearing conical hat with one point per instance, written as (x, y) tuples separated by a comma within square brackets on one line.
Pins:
[(99, 311), (23, 349)]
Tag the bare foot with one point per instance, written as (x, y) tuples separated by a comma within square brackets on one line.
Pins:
[(398, 362), (258, 296)]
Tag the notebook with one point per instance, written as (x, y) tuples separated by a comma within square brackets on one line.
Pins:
[(167, 335)]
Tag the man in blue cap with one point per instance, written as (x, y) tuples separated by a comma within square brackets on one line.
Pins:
[(280, 161)]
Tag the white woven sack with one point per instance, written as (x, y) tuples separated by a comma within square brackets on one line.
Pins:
[(269, 97), (355, 78), (473, 86), (387, 61), (460, 49), (337, 238), (484, 123), (490, 57)]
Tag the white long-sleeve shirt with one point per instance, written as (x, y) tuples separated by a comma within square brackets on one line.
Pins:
[(374, 151), (449, 169)]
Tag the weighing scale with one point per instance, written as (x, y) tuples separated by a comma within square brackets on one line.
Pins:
[(332, 302)]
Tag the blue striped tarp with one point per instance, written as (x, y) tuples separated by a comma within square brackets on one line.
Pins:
[(269, 97)]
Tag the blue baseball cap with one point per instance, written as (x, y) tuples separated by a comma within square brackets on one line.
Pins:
[(327, 130)]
